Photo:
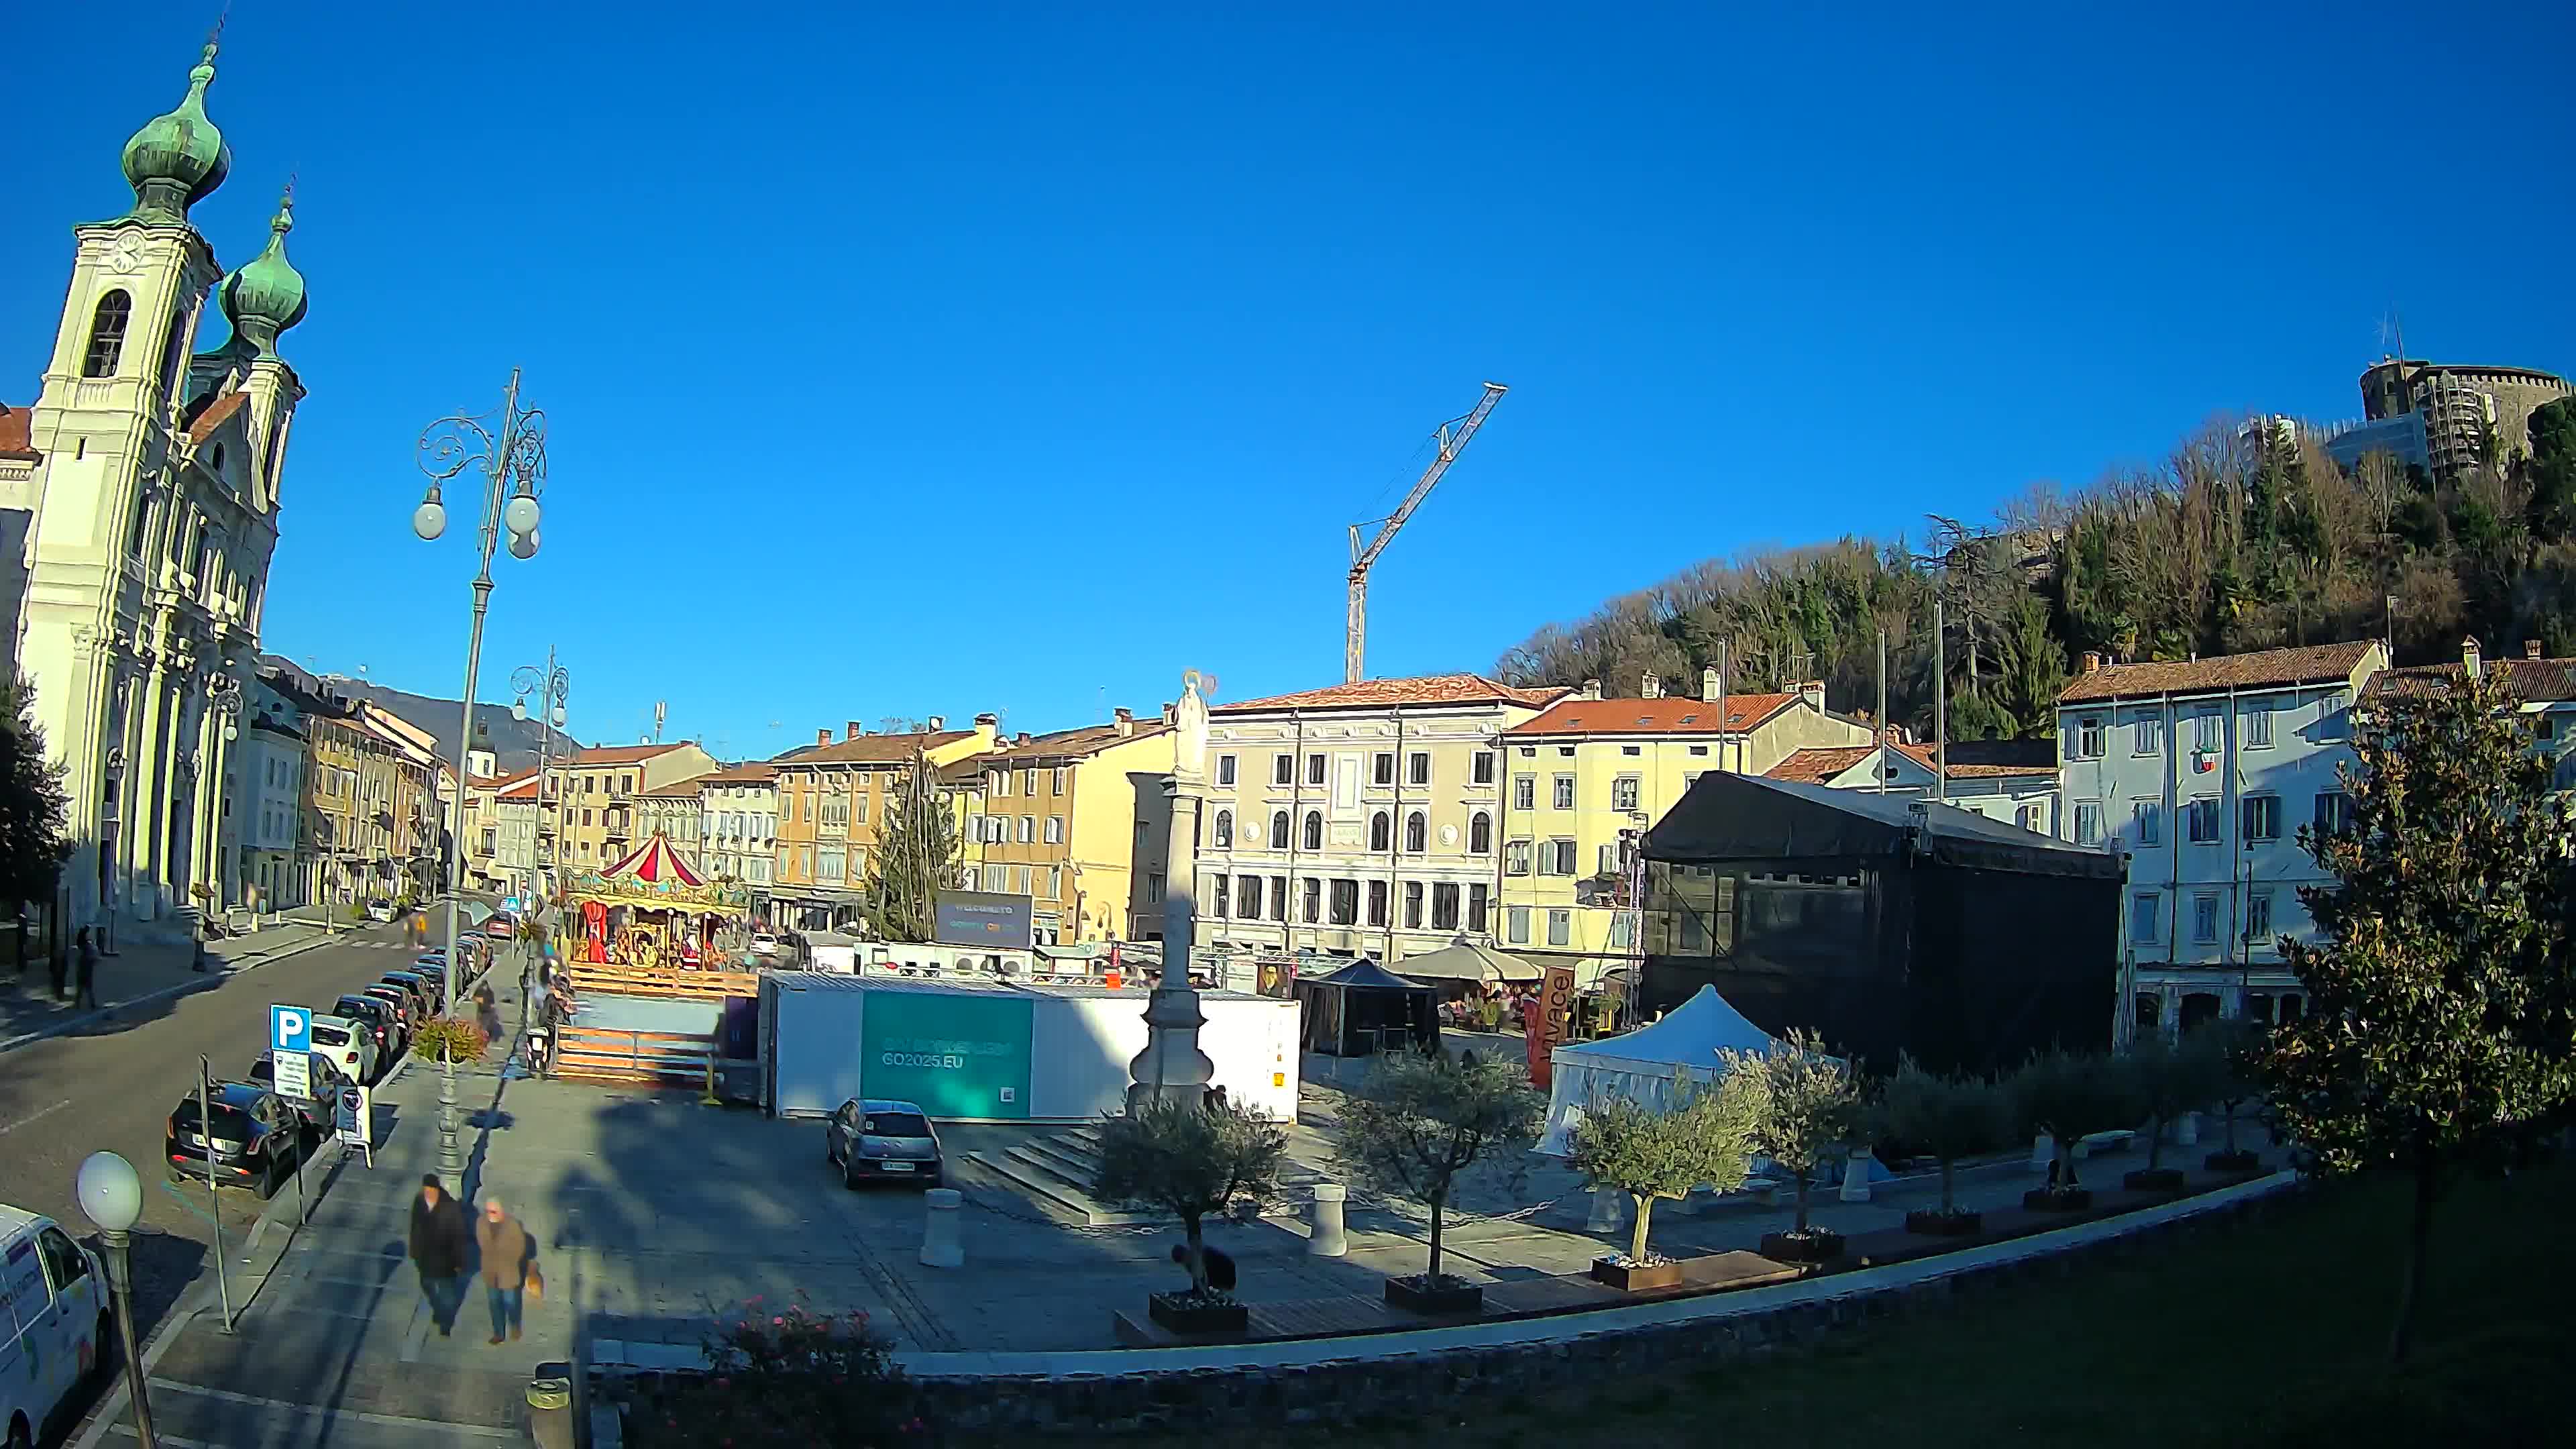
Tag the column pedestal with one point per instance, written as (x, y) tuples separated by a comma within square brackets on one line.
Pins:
[(1856, 1175), (941, 1246), (1328, 1239)]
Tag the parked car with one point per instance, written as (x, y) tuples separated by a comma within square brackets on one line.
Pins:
[(764, 944), (405, 1007), (501, 927), (350, 1045), (379, 1017), (429, 981), (875, 1140), (253, 1137), (314, 1111), (59, 1329), (381, 911)]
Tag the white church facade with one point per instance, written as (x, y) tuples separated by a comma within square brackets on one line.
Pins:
[(143, 486)]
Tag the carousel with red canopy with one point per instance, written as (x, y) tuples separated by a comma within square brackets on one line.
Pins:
[(651, 907)]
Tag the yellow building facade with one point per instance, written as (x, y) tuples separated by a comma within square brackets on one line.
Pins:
[(1584, 778), (600, 816), (1066, 819), (832, 798)]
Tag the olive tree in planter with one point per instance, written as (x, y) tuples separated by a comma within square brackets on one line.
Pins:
[(2067, 1095), (1704, 1140), (1805, 1110), (1945, 1118), (1424, 1122), (2172, 1077), (1189, 1159), (2234, 1046)]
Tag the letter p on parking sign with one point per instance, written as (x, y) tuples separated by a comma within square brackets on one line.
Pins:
[(290, 1029)]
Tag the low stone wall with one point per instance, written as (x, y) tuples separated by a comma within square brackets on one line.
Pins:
[(1378, 1375)]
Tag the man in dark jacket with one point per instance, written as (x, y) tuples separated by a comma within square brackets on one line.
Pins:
[(439, 1237)]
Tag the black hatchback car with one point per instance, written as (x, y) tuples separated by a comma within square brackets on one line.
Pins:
[(254, 1138), (314, 1112), (882, 1141)]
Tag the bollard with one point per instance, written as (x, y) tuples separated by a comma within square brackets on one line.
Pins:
[(1856, 1175), (550, 1406), (940, 1246), (1328, 1239), (2042, 1152), (1607, 1215), (2187, 1130)]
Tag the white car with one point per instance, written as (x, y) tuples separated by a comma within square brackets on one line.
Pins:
[(53, 1320), (764, 944), (380, 910), (349, 1046)]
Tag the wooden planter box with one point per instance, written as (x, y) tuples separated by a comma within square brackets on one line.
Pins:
[(2238, 1161), (1447, 1300), (2154, 1179), (1631, 1279), (1184, 1317), (1936, 1223), (1817, 1246), (2057, 1199)]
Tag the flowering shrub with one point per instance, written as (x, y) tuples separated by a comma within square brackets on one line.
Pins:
[(784, 1377), (442, 1037)]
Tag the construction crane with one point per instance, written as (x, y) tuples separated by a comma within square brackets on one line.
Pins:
[(1452, 439)]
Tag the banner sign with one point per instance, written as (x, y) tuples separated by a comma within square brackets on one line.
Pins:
[(982, 918), (1549, 1022), (956, 1054)]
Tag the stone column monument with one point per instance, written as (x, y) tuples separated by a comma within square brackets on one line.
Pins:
[(1171, 1066)]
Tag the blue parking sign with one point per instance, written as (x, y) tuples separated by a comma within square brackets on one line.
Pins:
[(290, 1029)]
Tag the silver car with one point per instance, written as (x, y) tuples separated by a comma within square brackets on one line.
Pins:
[(872, 1140)]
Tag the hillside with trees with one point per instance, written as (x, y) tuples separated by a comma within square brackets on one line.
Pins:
[(2243, 539)]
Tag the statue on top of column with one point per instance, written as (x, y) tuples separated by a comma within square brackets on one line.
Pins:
[(1190, 717)]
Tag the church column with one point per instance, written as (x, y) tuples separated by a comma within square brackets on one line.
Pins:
[(146, 783)]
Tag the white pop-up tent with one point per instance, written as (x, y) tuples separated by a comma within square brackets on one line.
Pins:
[(1643, 1065)]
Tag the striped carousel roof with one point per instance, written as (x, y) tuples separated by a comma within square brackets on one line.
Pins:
[(655, 862)]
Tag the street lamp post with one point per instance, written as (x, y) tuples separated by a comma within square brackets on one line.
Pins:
[(510, 451), (553, 687), (112, 1196)]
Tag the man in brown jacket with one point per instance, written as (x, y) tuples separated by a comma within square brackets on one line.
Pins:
[(506, 1251)]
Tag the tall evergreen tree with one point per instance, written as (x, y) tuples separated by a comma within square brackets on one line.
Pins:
[(916, 856), (2440, 1018), (33, 805)]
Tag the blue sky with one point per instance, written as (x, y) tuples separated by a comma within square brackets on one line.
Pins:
[(990, 357)]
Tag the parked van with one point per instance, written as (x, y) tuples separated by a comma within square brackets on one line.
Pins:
[(53, 1321)]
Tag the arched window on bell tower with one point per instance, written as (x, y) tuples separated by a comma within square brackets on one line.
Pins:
[(107, 334)]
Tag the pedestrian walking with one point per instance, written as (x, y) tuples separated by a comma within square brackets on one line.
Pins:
[(438, 1239), (85, 979), (506, 1251), (1219, 1264)]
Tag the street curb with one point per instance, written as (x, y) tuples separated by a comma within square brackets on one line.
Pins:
[(184, 988), (201, 1297)]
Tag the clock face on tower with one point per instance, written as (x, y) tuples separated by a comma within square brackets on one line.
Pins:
[(125, 256)]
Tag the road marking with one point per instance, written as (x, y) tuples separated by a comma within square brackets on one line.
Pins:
[(33, 1117), (394, 1421)]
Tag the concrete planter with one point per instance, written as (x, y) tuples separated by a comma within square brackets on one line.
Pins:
[(2154, 1179), (1446, 1298), (1814, 1246), (2239, 1161), (1181, 1313), (2057, 1199), (1633, 1277)]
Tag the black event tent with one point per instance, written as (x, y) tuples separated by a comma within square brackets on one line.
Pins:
[(1888, 923), (1364, 1009)]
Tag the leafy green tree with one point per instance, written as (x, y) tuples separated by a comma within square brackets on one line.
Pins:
[(1188, 1159), (1946, 1118), (2174, 1076), (33, 805), (2551, 470), (916, 857), (1425, 1121), (2440, 1026), (1706, 1140), (2070, 1095), (2236, 1050), (1807, 1106)]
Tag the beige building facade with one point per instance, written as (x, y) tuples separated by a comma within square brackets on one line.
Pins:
[(600, 816), (1061, 817)]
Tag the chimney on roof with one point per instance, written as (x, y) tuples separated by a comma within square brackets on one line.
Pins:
[(1124, 719), (935, 723), (1591, 690), (2092, 661), (1021, 738), (1708, 683), (2470, 664), (2530, 648), (822, 737), (1652, 686), (989, 718), (1171, 712), (854, 731)]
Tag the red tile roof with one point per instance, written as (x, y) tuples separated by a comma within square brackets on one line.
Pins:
[(1969, 760), (1072, 744), (677, 789), (1427, 689), (17, 439), (758, 772), (2532, 681), (1670, 715), (203, 425), (2264, 669), (873, 749)]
